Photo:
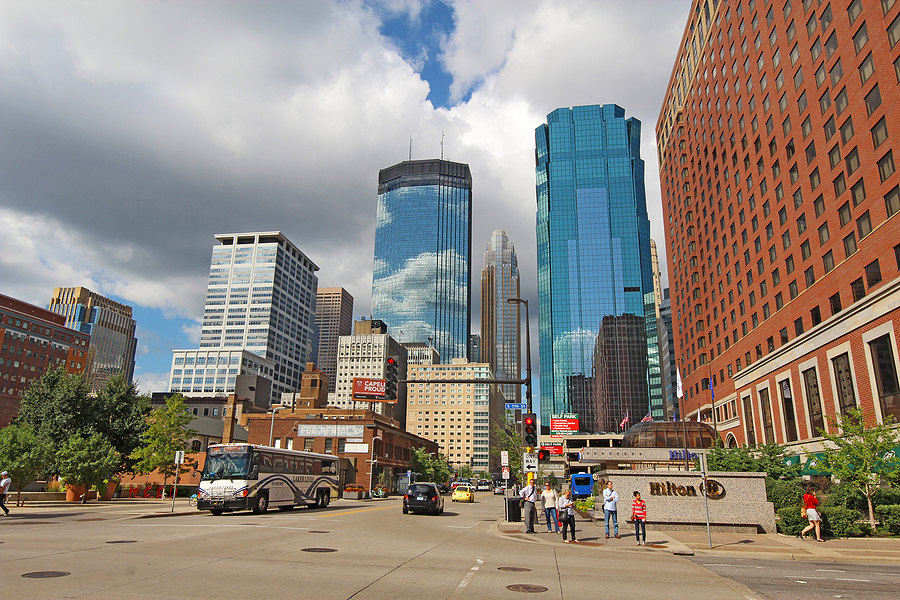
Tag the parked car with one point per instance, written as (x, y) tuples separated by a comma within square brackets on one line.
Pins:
[(499, 489), (423, 497), (463, 493)]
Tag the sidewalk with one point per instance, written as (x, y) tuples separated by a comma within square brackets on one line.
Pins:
[(119, 508), (691, 543)]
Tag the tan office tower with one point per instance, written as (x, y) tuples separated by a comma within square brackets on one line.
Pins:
[(111, 327), (334, 318), (458, 416), (780, 197), (500, 325)]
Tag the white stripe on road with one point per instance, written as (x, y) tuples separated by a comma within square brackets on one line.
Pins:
[(845, 579), (829, 571), (461, 588)]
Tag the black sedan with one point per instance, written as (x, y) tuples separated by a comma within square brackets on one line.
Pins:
[(423, 497)]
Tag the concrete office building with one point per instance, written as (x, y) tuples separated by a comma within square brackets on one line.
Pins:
[(781, 199), (364, 355), (111, 327), (334, 318), (458, 416)]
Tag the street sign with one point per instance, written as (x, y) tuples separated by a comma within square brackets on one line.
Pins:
[(179, 457), (505, 472), (530, 462), (517, 406), (504, 458)]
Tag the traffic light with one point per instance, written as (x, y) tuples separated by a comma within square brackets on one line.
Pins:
[(390, 378), (543, 455), (529, 430)]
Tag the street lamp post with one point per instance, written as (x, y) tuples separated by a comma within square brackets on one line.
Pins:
[(372, 460), (272, 425), (527, 350)]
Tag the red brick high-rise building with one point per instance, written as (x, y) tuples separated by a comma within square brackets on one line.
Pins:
[(780, 196), (34, 339)]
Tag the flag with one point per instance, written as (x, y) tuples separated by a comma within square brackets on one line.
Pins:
[(624, 421), (712, 392), (680, 390), (647, 418)]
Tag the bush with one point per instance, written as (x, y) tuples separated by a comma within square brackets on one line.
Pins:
[(784, 493), (845, 496), (889, 517), (838, 521), (889, 495), (790, 522)]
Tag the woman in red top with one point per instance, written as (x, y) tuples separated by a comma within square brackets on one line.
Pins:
[(810, 502), (639, 516)]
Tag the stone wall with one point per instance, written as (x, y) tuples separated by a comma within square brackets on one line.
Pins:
[(675, 500)]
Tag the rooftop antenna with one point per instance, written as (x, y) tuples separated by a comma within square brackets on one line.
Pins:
[(442, 145), (410, 147)]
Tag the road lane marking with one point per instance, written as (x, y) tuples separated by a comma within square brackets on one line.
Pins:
[(848, 579), (467, 578), (716, 565), (350, 512), (460, 526), (830, 571), (804, 576)]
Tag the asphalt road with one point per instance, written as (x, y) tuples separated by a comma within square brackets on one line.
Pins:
[(349, 550), (801, 580)]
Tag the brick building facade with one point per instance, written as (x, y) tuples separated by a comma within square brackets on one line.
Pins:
[(780, 198)]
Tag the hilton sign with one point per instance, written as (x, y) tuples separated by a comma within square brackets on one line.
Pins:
[(716, 489)]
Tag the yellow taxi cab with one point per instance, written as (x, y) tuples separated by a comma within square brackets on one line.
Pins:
[(463, 493)]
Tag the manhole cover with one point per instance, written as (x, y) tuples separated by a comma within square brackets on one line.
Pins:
[(513, 569), (526, 588), (318, 550), (87, 520), (45, 574), (122, 542), (320, 532)]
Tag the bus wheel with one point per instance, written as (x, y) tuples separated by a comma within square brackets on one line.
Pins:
[(216, 512), (262, 505), (321, 501)]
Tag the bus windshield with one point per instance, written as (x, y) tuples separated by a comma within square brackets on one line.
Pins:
[(227, 463)]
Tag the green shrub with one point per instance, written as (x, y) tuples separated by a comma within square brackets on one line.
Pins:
[(889, 517), (889, 495), (838, 521), (789, 520), (784, 493), (845, 496)]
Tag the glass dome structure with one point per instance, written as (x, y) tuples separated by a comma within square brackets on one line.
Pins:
[(669, 434)]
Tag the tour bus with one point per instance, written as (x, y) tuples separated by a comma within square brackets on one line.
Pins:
[(247, 476)]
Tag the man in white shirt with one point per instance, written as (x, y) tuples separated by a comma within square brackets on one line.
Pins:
[(4, 489), (610, 508), (529, 495), (550, 499)]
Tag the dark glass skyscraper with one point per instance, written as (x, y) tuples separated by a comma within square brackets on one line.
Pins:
[(421, 285), (594, 266)]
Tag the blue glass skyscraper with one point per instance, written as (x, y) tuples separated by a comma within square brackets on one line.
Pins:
[(594, 267), (421, 284)]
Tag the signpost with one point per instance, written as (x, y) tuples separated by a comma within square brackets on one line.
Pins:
[(179, 460), (504, 458), (530, 462)]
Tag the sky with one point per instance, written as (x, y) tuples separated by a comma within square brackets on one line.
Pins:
[(132, 132)]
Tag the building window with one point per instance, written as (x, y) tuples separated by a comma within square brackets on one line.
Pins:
[(852, 161), (815, 315), (858, 289), (828, 261), (835, 303), (860, 38), (844, 380), (798, 326), (864, 225), (844, 213), (873, 100), (784, 336), (308, 444), (813, 401), (329, 443), (892, 201), (810, 276), (873, 274), (850, 244), (879, 132), (886, 376), (768, 424), (748, 419), (886, 166), (840, 185), (787, 410), (834, 156)]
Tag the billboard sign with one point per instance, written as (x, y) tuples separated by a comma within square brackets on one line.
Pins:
[(555, 449), (564, 423), (371, 390)]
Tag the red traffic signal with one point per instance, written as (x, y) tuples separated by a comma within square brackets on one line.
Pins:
[(529, 421), (543, 455)]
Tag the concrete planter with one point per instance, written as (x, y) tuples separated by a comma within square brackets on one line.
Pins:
[(356, 495)]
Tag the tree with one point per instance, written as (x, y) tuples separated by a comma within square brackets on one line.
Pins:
[(465, 471), (167, 432), (430, 467), (57, 406), (24, 455), (87, 461), (769, 458), (861, 455)]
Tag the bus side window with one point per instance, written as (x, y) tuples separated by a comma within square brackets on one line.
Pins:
[(254, 466)]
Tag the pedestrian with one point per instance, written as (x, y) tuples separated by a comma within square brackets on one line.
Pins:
[(811, 503), (567, 515), (639, 516), (529, 497), (4, 489), (549, 500), (610, 508)]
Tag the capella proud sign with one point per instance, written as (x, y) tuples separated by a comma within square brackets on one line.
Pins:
[(371, 390)]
